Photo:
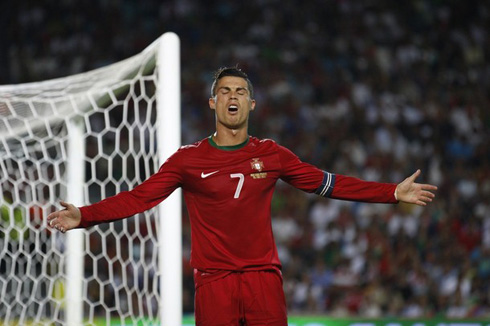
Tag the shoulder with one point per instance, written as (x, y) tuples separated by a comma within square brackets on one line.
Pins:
[(265, 142), (186, 151), (270, 144), (191, 148)]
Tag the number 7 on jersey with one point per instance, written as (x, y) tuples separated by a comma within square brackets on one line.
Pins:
[(240, 183)]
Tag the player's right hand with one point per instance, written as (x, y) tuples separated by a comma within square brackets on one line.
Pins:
[(65, 219)]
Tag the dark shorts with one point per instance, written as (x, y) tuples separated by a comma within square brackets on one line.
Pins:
[(242, 298)]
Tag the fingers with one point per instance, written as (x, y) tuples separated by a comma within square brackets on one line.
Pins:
[(427, 199), (424, 197), (60, 228), (51, 216), (55, 219), (428, 195), (422, 193), (56, 224), (425, 193), (415, 175), (429, 187)]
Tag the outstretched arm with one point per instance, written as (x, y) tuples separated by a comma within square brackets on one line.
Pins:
[(65, 219), (409, 191), (124, 204)]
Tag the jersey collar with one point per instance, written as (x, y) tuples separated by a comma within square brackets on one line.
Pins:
[(227, 148)]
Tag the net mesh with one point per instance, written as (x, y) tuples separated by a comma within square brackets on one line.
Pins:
[(116, 107)]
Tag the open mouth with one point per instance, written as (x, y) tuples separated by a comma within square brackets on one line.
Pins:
[(232, 108)]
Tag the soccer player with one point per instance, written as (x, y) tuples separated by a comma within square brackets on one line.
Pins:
[(228, 180)]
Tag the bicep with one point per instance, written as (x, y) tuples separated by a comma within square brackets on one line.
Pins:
[(299, 174)]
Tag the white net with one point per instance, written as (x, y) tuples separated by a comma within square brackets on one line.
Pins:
[(116, 107)]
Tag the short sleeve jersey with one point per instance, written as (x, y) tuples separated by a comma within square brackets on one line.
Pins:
[(228, 193)]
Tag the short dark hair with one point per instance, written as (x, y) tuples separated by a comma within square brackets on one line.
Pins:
[(233, 72)]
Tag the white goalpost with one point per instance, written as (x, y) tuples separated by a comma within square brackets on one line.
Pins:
[(80, 139), (74, 239), (169, 137)]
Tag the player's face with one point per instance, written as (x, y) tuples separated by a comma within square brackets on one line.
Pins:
[(232, 102)]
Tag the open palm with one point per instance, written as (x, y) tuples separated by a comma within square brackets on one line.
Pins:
[(65, 219), (409, 191)]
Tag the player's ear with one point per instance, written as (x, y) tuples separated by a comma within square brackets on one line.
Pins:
[(212, 103), (252, 105)]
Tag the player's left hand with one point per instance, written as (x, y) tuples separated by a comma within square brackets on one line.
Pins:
[(408, 191)]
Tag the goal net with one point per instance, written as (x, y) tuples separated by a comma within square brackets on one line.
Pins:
[(81, 139)]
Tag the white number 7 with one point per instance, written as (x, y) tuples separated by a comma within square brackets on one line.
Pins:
[(240, 183)]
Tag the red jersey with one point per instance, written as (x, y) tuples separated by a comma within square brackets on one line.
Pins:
[(228, 193)]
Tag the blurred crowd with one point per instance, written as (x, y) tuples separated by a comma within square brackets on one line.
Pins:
[(373, 89)]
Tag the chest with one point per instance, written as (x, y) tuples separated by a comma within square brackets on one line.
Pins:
[(232, 176)]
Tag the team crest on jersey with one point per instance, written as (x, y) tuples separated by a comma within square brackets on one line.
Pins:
[(258, 166)]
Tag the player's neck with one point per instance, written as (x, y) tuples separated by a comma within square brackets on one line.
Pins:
[(230, 137)]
